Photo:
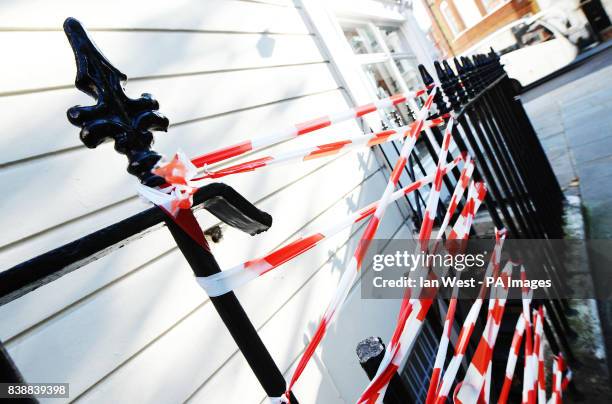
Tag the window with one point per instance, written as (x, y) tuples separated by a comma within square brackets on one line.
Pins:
[(381, 80), (408, 68), (492, 5), (451, 21), (386, 59), (469, 12), (361, 41)]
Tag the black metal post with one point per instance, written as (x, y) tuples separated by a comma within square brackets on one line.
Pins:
[(10, 374), (370, 352), (129, 123)]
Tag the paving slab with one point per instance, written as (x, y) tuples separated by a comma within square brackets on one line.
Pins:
[(573, 118)]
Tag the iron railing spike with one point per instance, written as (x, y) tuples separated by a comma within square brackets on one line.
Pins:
[(129, 122)]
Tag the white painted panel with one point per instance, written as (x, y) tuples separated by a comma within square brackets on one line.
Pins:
[(232, 127), (320, 389), (210, 15), (145, 307), (360, 319), (145, 54), (27, 310), (181, 99), (204, 335), (302, 314), (83, 180)]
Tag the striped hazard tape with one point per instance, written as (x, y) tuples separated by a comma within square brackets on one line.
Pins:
[(413, 312), (352, 271), (319, 151), (232, 278), (515, 347), (474, 381), (470, 321), (301, 129)]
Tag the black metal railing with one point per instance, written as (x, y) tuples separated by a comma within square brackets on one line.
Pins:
[(491, 125), (524, 195)]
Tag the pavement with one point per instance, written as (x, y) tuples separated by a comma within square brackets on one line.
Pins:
[(583, 57), (572, 114), (573, 118)]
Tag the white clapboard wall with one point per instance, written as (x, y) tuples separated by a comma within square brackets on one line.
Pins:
[(133, 326)]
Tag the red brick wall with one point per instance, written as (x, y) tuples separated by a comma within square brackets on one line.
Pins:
[(506, 14)]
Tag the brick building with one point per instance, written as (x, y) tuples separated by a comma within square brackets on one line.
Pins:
[(459, 24)]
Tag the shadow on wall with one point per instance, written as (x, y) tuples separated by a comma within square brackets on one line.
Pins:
[(265, 45)]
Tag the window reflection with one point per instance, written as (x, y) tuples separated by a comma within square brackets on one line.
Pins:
[(383, 85), (408, 70), (361, 40)]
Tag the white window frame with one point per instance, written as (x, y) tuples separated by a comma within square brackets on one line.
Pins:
[(490, 10), (449, 18)]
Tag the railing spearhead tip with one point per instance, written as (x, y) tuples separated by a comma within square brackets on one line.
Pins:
[(127, 121), (458, 66), (427, 79), (86, 54), (448, 69), (440, 71)]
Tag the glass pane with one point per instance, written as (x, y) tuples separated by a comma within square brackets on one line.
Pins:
[(408, 68), (361, 40), (469, 12), (383, 85), (381, 80), (392, 40), (451, 21), (491, 5)]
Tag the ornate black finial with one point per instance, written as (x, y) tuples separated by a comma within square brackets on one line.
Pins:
[(462, 92), (427, 79), (466, 78), (439, 97), (446, 84), (497, 67), (115, 116), (453, 88), (476, 73)]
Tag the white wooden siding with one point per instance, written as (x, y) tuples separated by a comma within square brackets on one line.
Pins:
[(134, 326)]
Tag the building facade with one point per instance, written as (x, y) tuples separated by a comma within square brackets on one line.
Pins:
[(133, 326), (460, 24)]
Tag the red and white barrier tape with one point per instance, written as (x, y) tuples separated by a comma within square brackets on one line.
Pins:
[(531, 364), (470, 389), (319, 151), (538, 321), (379, 382), (515, 347), (568, 373), (470, 321), (179, 172), (232, 278), (352, 271), (462, 184), (301, 129), (410, 321), (434, 195), (557, 381)]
